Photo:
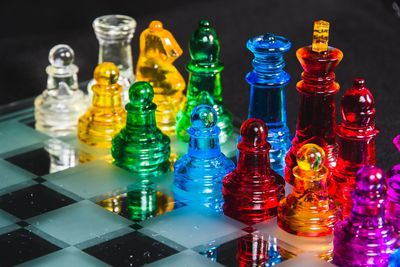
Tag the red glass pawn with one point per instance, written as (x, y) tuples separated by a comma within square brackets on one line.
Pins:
[(253, 190), (317, 116), (355, 138)]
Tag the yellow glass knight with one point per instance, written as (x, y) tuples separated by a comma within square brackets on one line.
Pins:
[(158, 51)]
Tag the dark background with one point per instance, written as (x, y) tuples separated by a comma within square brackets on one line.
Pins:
[(367, 31)]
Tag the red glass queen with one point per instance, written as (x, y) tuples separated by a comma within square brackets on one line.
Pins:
[(317, 115)]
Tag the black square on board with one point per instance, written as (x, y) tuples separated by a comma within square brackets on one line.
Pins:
[(35, 161), (22, 245), (34, 200), (133, 249)]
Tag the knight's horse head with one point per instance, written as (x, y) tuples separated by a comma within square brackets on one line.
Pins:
[(157, 42)]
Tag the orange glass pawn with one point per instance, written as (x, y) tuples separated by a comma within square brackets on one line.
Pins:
[(309, 211), (106, 116)]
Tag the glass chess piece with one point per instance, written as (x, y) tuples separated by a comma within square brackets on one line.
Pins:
[(158, 51), (60, 105), (366, 238), (393, 201), (356, 141), (316, 120), (268, 83), (115, 33), (198, 174), (309, 211), (141, 147), (204, 70), (253, 190), (106, 116)]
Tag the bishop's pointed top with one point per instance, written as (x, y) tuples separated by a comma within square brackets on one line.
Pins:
[(204, 45), (358, 105)]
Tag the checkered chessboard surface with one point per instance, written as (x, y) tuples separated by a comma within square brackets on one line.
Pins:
[(61, 207)]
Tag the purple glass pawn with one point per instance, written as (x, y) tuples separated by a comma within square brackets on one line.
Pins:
[(393, 202), (365, 238)]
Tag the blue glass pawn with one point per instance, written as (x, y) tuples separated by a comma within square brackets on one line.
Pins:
[(198, 174), (267, 93)]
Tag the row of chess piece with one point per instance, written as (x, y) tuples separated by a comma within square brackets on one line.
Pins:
[(336, 188)]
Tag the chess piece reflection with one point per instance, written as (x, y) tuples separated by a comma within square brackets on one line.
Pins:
[(141, 147), (365, 238), (258, 249), (204, 75), (309, 211), (356, 140), (115, 33), (106, 116), (198, 174), (158, 51), (318, 89), (253, 190), (267, 102), (58, 108), (62, 155)]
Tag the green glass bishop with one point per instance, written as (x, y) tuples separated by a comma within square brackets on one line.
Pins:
[(204, 75), (141, 147)]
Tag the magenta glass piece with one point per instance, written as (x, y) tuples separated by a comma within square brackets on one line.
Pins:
[(365, 238), (393, 202), (396, 142)]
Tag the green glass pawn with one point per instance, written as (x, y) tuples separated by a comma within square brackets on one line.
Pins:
[(141, 147), (204, 75)]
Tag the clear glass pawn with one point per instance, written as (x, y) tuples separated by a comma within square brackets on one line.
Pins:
[(58, 108)]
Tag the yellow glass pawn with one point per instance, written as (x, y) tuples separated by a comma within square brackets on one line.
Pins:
[(309, 211), (106, 116), (158, 51)]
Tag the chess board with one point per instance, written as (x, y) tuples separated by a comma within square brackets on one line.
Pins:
[(59, 207)]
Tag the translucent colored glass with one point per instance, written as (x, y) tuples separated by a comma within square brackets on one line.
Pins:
[(253, 190), (158, 51), (198, 174), (204, 75), (316, 121), (309, 211), (356, 140), (267, 92), (106, 116), (141, 147), (365, 238)]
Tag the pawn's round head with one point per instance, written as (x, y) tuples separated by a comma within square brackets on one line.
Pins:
[(156, 25), (61, 56), (141, 94), (254, 132), (204, 45), (310, 157), (203, 116), (370, 178), (358, 105), (106, 73)]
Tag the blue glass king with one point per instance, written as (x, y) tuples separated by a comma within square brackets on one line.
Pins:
[(198, 174), (267, 92)]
